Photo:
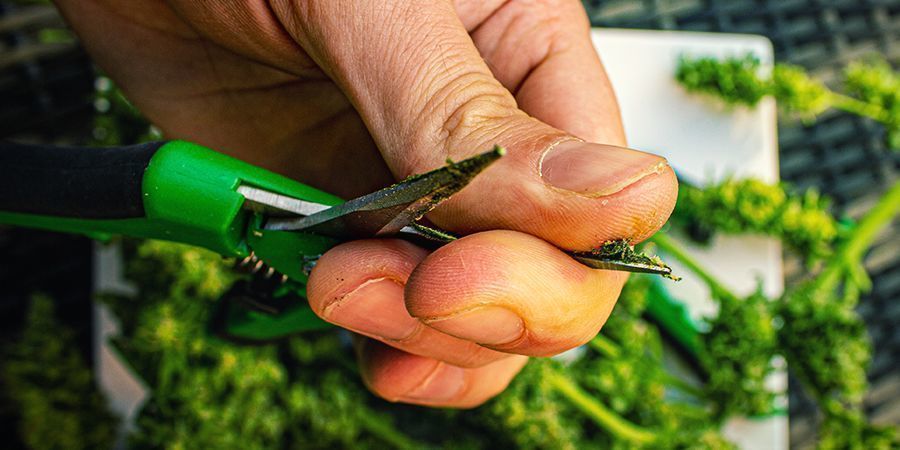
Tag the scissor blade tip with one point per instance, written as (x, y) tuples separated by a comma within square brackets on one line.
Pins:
[(477, 163)]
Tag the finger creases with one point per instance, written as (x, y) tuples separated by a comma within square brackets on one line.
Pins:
[(511, 292), (399, 376), (360, 285)]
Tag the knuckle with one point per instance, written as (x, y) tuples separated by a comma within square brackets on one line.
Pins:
[(553, 23), (469, 110)]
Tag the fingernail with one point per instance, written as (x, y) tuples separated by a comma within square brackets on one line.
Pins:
[(596, 170), (489, 325), (444, 383), (375, 308)]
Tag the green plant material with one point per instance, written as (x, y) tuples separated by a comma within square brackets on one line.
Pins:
[(597, 411), (53, 387), (551, 405), (823, 338), (208, 393), (752, 206), (820, 334), (849, 430), (738, 352), (873, 88), (848, 259), (56, 36), (738, 347), (825, 343), (877, 87), (305, 390), (623, 386), (117, 121), (734, 80), (797, 92), (718, 290), (622, 250), (533, 414)]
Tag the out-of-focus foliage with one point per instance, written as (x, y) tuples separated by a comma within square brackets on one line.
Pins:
[(535, 415), (739, 348), (875, 83), (836, 364), (873, 88), (814, 325), (797, 92), (210, 393), (825, 340), (734, 80), (847, 429), (740, 206), (117, 121), (52, 386), (818, 330)]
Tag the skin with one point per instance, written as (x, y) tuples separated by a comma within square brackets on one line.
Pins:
[(349, 96)]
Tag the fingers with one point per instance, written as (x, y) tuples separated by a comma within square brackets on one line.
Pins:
[(511, 292), (402, 377), (360, 286), (471, 302), (425, 93)]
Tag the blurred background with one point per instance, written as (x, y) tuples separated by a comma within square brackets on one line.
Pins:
[(47, 88), (841, 155)]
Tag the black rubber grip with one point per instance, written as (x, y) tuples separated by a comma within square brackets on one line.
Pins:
[(76, 182)]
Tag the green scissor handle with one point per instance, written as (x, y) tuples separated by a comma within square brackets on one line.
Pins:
[(175, 191)]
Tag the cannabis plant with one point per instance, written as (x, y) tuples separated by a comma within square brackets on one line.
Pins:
[(872, 88)]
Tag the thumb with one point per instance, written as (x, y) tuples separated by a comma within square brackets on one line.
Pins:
[(426, 94)]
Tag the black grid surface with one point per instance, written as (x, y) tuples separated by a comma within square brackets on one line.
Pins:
[(45, 83), (841, 155)]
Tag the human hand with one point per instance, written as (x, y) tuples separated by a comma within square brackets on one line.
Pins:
[(308, 88)]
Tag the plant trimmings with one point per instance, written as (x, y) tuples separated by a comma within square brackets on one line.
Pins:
[(621, 250)]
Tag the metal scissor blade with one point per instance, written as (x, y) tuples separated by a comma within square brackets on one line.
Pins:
[(275, 204), (387, 211), (609, 264)]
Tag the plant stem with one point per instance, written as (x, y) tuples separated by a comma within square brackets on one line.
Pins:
[(681, 385), (378, 425), (599, 413), (669, 246), (603, 345), (854, 248), (386, 432), (608, 348), (859, 107)]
